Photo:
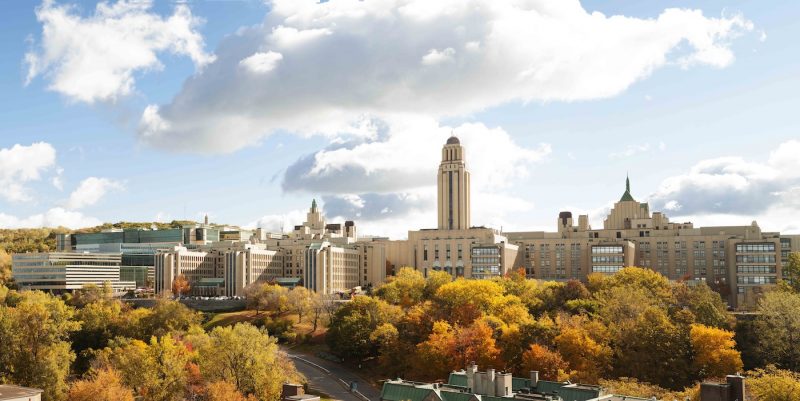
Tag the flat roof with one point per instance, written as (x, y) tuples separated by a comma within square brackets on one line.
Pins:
[(10, 391)]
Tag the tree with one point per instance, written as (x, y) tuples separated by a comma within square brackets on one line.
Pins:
[(792, 271), (180, 285), (300, 301), (549, 363), (268, 297), (156, 371), (102, 385), (5, 267), (714, 350), (434, 354), (404, 289), (463, 301), (634, 388), (435, 280), (165, 317), (350, 329), (247, 358), (777, 329), (317, 309), (582, 344), (224, 391), (475, 343), (35, 351), (774, 384), (90, 293), (704, 303), (652, 348)]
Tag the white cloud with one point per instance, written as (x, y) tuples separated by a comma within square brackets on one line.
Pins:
[(337, 69), (261, 63), (20, 164), (735, 186), (277, 223), (90, 191), (94, 58), (55, 217), (438, 57), (630, 150), (58, 180)]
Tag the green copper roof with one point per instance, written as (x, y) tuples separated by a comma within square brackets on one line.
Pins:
[(457, 379), (404, 392), (627, 195), (313, 204)]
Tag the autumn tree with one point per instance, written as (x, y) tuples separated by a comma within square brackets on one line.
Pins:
[(772, 383), (434, 354), (549, 363), (165, 317), (404, 289), (777, 329), (247, 358), (583, 345), (393, 353), (180, 285), (714, 351), (267, 297), (5, 267), (34, 329), (103, 385), (300, 301), (155, 370), (224, 391), (705, 304), (462, 301), (475, 343)]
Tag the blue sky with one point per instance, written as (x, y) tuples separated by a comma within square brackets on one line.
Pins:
[(246, 110)]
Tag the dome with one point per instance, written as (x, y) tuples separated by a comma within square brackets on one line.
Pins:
[(453, 141)]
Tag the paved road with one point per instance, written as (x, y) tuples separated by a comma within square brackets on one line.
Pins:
[(327, 377)]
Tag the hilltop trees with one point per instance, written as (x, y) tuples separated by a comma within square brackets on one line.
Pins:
[(777, 329)]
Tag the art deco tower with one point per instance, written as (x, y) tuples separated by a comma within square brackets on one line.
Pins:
[(453, 187)]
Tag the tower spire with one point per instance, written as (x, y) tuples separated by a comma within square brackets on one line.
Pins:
[(314, 205), (627, 195)]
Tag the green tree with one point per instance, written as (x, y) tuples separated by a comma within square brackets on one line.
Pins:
[(777, 329), (792, 271), (247, 358), (704, 303), (351, 326)]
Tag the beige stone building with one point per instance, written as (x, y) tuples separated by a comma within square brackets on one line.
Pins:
[(327, 258), (734, 260), (455, 246)]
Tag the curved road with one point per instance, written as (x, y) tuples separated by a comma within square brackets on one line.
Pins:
[(331, 378)]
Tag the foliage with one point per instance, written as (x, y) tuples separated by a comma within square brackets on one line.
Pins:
[(549, 363), (406, 288), (792, 271), (777, 329), (34, 330), (224, 391), (351, 326), (773, 384), (5, 267), (705, 304), (246, 357), (156, 371), (103, 385), (180, 285), (632, 387), (166, 317), (714, 350), (265, 296), (300, 301)]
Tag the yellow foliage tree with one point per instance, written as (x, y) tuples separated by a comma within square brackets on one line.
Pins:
[(549, 364), (582, 346), (715, 353), (772, 383), (224, 391), (104, 385)]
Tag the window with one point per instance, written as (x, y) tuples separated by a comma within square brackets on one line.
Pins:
[(755, 248)]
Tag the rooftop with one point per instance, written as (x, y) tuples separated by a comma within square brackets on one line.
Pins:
[(10, 392)]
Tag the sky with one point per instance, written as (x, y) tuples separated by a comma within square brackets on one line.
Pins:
[(247, 110)]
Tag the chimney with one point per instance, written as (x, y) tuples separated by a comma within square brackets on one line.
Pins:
[(489, 388), (534, 378), (503, 384), (736, 383)]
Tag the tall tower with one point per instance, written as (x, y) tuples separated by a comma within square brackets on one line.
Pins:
[(453, 187)]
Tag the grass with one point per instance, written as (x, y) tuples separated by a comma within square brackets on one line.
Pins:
[(231, 318)]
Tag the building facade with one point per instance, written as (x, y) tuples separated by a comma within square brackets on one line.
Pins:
[(454, 246), (68, 271), (736, 261)]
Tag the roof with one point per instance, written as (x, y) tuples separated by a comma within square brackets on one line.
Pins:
[(568, 391), (627, 195), (9, 392), (393, 391), (453, 140), (457, 379), (288, 280)]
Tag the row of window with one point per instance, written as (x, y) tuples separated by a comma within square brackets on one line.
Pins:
[(607, 249), (754, 248), (755, 258), (755, 269), (756, 280)]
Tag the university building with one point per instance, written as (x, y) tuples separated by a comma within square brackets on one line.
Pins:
[(736, 261), (455, 246)]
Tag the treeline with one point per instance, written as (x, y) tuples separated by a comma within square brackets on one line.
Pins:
[(92, 347), (631, 330)]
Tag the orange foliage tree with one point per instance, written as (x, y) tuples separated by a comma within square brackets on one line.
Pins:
[(549, 364)]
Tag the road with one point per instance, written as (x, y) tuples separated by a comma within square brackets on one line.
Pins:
[(329, 377)]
